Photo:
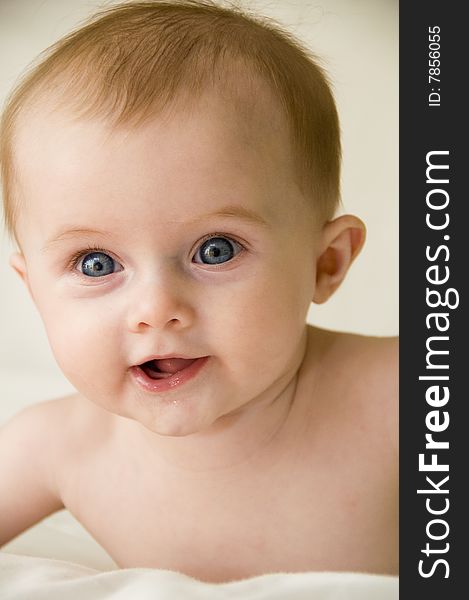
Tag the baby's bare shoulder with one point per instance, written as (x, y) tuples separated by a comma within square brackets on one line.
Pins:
[(51, 418), (39, 446), (74, 420), (43, 425), (372, 366), (58, 427), (374, 359), (28, 457), (69, 431), (359, 375), (40, 421)]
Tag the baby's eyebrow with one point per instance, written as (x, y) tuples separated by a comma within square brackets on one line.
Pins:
[(238, 212), (72, 233)]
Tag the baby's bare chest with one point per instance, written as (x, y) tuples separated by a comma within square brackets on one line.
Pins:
[(298, 517)]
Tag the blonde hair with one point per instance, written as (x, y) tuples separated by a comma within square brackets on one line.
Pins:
[(135, 58)]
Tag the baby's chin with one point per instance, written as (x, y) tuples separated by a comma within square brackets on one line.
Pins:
[(180, 423), (173, 421), (173, 429)]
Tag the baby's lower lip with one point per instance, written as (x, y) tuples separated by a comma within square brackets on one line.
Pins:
[(171, 382)]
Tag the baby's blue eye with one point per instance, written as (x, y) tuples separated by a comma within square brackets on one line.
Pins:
[(97, 264), (216, 250)]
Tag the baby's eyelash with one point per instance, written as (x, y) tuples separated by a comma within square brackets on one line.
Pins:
[(75, 258), (220, 234)]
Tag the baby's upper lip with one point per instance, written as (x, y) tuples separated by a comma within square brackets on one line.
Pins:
[(166, 356)]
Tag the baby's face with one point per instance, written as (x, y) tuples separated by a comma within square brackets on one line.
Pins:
[(184, 238)]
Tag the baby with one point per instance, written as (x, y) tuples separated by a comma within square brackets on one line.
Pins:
[(171, 176)]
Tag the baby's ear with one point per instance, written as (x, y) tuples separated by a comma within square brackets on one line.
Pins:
[(18, 262), (341, 242)]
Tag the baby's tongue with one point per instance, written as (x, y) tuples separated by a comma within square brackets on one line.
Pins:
[(173, 365)]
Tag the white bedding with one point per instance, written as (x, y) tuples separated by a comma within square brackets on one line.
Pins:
[(58, 559), (25, 578)]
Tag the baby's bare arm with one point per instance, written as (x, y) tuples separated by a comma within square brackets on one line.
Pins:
[(28, 490)]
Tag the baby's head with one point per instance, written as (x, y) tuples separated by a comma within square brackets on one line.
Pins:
[(170, 172)]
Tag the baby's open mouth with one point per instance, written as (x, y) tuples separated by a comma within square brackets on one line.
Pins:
[(165, 367), (162, 375)]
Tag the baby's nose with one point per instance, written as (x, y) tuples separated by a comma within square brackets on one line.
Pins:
[(159, 303)]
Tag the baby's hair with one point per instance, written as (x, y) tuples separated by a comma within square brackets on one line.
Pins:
[(134, 59)]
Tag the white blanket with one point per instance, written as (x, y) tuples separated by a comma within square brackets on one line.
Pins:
[(34, 578)]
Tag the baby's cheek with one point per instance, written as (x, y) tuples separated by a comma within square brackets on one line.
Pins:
[(84, 348), (273, 304), (261, 320)]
